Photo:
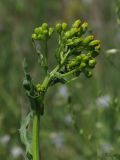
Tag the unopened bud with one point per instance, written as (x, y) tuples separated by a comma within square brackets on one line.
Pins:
[(94, 43), (41, 37), (45, 26), (84, 26), (89, 54), (40, 30), (34, 36), (82, 65), (72, 63), (97, 48), (73, 31), (85, 58), (58, 27), (88, 39), (76, 24), (36, 30), (68, 34), (70, 42), (78, 58), (64, 26), (92, 63), (45, 32), (51, 30), (88, 74), (78, 41)]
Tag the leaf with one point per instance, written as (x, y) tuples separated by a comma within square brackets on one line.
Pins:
[(25, 135), (25, 65)]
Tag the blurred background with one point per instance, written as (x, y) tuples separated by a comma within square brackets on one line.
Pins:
[(88, 128)]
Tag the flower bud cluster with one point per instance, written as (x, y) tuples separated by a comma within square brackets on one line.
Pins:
[(76, 50), (84, 48), (82, 63), (44, 32)]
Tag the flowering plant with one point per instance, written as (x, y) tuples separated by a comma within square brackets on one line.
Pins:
[(75, 54)]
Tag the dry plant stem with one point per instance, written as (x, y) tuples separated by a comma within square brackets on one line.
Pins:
[(35, 135)]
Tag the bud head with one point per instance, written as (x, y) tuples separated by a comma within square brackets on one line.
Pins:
[(76, 24), (64, 26)]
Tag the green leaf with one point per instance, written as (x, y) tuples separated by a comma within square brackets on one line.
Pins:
[(25, 134), (25, 65)]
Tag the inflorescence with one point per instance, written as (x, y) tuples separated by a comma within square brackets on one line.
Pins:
[(75, 54), (76, 49)]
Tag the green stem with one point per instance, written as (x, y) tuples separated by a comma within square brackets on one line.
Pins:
[(46, 56), (35, 135), (69, 73)]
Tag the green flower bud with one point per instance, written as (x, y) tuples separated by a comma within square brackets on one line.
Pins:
[(72, 63), (36, 30), (88, 74), (40, 88), (78, 41), (84, 27), (64, 26), (76, 24), (97, 48), (78, 58), (58, 27), (51, 30), (41, 37), (92, 63), (85, 58), (44, 26), (73, 31), (82, 65), (34, 36), (88, 39), (40, 30), (68, 34), (45, 32), (70, 42), (89, 54), (82, 56), (94, 43)]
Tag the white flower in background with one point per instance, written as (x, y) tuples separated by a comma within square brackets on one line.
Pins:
[(106, 147), (61, 96), (103, 101), (99, 125), (112, 51), (16, 151), (63, 91), (68, 119), (57, 139), (4, 140)]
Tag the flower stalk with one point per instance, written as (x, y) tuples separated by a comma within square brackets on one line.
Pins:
[(35, 136)]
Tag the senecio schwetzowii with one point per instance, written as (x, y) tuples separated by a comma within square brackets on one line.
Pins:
[(75, 54)]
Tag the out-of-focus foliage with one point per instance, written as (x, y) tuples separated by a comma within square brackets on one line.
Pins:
[(88, 128)]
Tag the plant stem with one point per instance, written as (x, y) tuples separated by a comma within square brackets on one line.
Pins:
[(35, 135)]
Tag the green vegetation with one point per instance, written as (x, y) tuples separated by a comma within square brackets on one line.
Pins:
[(81, 119)]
